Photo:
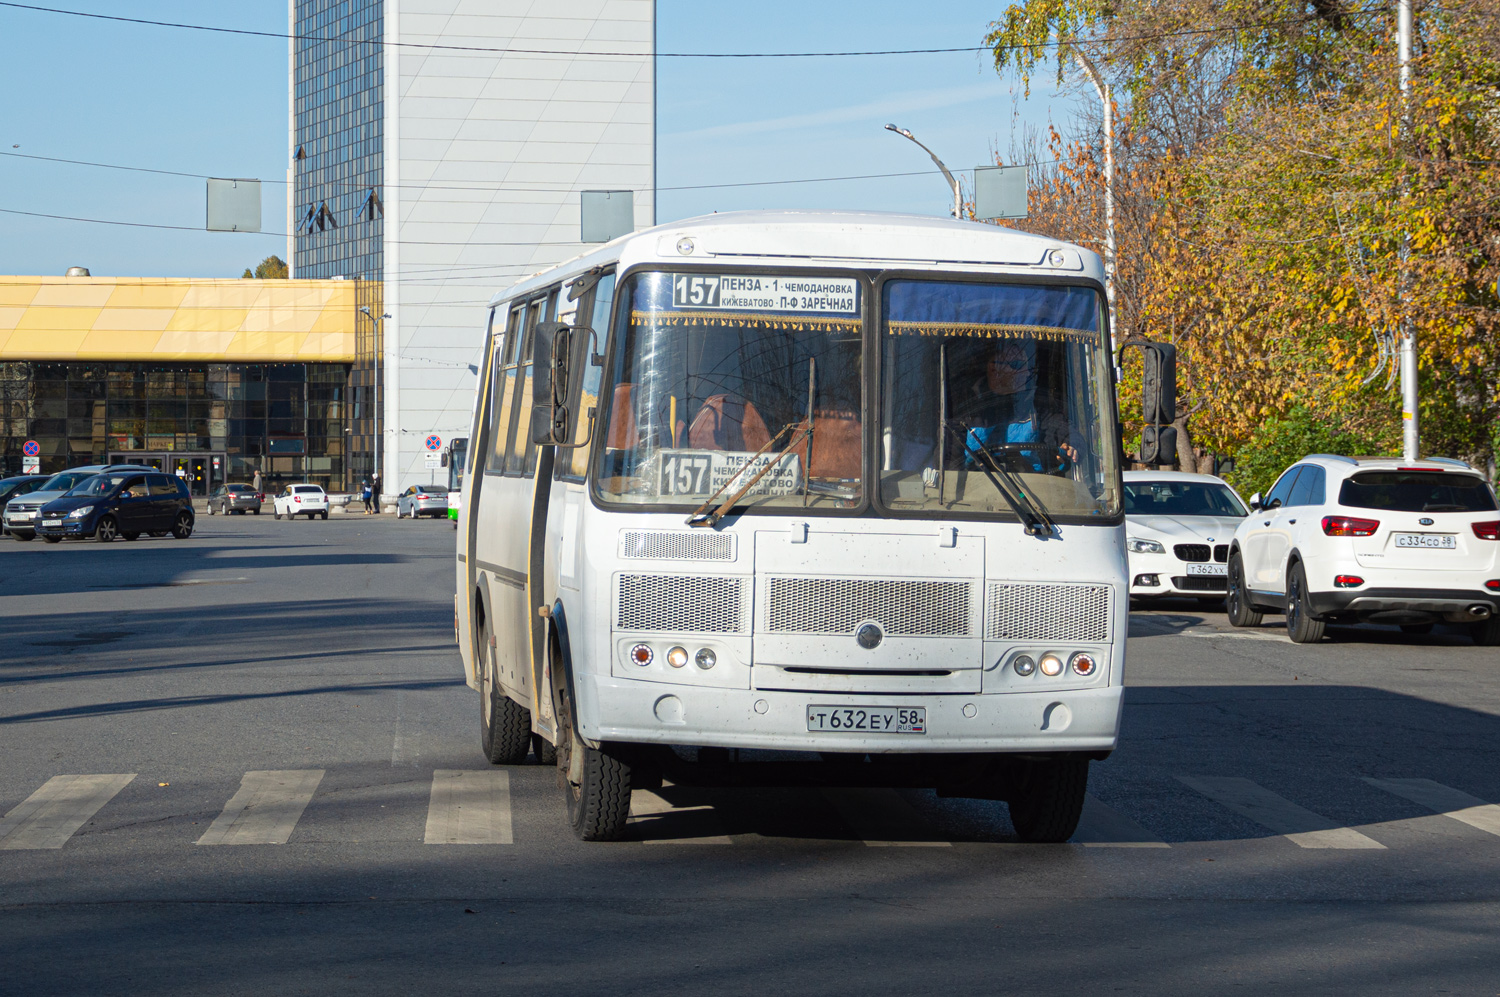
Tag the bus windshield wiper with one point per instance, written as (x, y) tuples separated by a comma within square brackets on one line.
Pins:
[(1030, 510), (703, 517)]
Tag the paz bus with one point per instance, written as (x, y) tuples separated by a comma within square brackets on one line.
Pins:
[(772, 497)]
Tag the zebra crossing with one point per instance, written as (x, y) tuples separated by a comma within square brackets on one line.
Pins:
[(474, 807)]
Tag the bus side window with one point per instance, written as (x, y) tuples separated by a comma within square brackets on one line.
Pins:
[(501, 398), (596, 309), (520, 416)]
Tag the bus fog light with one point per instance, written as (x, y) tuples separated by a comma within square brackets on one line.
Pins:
[(1083, 664), (677, 657), (705, 658), (1023, 665), (642, 654), (1051, 664)]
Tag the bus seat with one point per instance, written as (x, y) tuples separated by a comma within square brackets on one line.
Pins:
[(727, 422), (622, 431), (837, 445)]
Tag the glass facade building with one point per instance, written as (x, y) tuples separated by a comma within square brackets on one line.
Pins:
[(220, 422), (337, 158)]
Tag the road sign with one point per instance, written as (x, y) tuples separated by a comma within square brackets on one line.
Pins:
[(32, 448), (31, 465), (434, 461), (434, 442)]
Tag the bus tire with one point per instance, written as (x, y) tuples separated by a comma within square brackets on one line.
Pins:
[(504, 724), (1047, 799), (595, 781), (545, 750)]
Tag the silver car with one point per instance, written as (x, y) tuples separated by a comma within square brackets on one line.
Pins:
[(423, 500), (21, 514)]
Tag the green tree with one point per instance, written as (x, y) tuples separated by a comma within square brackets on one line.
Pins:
[(270, 268)]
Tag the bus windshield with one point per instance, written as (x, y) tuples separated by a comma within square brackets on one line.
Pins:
[(991, 390), (736, 382)]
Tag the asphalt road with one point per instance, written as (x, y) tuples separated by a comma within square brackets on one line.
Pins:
[(1279, 818)]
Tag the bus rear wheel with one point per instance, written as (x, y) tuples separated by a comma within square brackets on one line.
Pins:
[(504, 724), (595, 782), (1046, 799)]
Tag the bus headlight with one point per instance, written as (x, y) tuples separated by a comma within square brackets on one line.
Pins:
[(642, 655), (705, 658), (677, 657), (1051, 664), (1023, 665), (1083, 663)]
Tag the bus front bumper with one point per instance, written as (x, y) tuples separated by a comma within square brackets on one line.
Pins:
[(653, 713)]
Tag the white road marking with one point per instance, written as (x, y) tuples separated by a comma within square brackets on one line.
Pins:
[(1445, 800), (406, 748), (1300, 825), (50, 816), (1103, 827), (265, 810), (469, 807), (646, 809), (882, 818), (1280, 638)]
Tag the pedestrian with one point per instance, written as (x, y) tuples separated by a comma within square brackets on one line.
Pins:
[(255, 482), (365, 493), (375, 490)]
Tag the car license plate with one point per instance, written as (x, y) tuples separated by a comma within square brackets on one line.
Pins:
[(1206, 569), (1441, 541), (52, 522), (20, 516), (867, 719)]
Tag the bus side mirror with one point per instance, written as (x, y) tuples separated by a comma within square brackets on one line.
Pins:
[(558, 355), (1158, 401)]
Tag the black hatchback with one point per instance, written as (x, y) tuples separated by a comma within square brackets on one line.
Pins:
[(119, 503)]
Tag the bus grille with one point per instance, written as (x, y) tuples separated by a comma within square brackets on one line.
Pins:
[(1016, 611), (699, 545), (698, 604), (839, 605)]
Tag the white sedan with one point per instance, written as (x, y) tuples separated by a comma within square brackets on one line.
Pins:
[(1177, 530), (301, 500)]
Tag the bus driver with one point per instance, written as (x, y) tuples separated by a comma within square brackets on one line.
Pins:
[(999, 405)]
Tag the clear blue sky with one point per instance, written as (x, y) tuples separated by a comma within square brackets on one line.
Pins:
[(205, 103)]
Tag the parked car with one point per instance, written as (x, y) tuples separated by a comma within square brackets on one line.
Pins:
[(21, 484), (1177, 530), (301, 500), (423, 500), (124, 503), (21, 513), (1370, 540), (238, 498)]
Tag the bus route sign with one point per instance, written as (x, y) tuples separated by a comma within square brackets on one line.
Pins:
[(434, 442)]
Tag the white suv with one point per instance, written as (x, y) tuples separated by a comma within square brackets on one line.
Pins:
[(301, 500), (1377, 540)]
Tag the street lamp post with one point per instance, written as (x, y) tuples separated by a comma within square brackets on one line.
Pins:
[(376, 372), (958, 200), (1407, 349), (1109, 182)]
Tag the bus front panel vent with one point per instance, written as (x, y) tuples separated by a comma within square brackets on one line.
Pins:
[(1020, 611), (693, 604), (680, 545), (902, 608)]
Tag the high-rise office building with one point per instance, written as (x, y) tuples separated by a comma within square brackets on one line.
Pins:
[(439, 149)]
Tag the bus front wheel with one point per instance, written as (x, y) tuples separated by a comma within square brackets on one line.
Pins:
[(1046, 799), (595, 781)]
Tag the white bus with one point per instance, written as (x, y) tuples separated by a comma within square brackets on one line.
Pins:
[(833, 496)]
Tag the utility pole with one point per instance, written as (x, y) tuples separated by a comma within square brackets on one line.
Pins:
[(1410, 431), (958, 200), (1105, 96)]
